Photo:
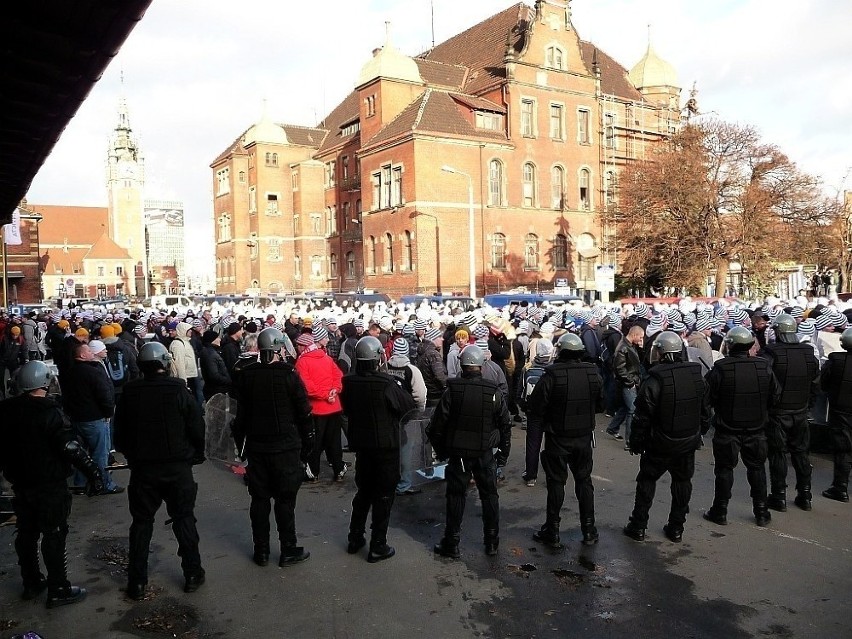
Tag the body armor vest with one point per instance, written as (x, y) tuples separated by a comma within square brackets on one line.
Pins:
[(267, 390), (470, 428), (795, 367), (743, 395), (839, 387), (676, 428), (372, 426), (573, 400), (156, 409)]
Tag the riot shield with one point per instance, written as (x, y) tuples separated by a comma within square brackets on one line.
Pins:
[(219, 411), (417, 459)]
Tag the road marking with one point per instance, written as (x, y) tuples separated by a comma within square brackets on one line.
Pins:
[(599, 478), (812, 542)]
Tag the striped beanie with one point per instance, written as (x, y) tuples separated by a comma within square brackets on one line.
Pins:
[(797, 312), (433, 334), (807, 328), (400, 347), (319, 332), (468, 319), (408, 330), (483, 344), (703, 324), (305, 339), (480, 331), (823, 321), (420, 325)]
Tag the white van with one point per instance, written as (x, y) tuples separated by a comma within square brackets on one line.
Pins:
[(168, 301)]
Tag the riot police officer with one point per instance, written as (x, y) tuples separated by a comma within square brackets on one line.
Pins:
[(671, 411), (565, 399), (470, 420), (374, 403), (836, 381), (797, 371), (742, 391), (158, 427), (37, 450), (273, 431)]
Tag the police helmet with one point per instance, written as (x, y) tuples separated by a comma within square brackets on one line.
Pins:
[(369, 349), (846, 339), (472, 355), (570, 342), (668, 342), (33, 375), (785, 328), (270, 339), (740, 338), (155, 353)]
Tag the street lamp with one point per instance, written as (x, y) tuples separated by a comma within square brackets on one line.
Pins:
[(471, 248)]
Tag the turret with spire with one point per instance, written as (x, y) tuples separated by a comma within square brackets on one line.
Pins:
[(656, 79)]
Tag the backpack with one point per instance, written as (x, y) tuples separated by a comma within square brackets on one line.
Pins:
[(531, 377), (116, 366)]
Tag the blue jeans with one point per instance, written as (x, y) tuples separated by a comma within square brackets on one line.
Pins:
[(96, 438), (624, 413), (406, 462)]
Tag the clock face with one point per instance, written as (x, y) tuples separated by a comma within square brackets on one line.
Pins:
[(126, 171)]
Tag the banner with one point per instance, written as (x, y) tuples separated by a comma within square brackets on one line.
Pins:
[(12, 232)]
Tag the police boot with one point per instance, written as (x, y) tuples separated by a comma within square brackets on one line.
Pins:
[(836, 493), (804, 497), (673, 532), (261, 553), (633, 531), (64, 596), (492, 542), (718, 513), (777, 501), (548, 535), (379, 551), (590, 533), (292, 555), (762, 516), (449, 546), (356, 541)]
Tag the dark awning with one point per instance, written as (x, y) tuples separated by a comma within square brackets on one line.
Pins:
[(53, 52)]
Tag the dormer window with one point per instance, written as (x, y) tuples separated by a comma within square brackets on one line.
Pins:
[(555, 57), (488, 121)]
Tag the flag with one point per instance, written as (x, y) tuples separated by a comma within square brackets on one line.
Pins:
[(12, 232)]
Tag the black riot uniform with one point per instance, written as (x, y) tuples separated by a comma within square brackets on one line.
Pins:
[(797, 372), (565, 399), (470, 420), (273, 428), (672, 410), (37, 451), (836, 381), (158, 427), (374, 403), (742, 391)]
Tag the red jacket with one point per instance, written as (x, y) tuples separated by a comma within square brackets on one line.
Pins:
[(320, 374)]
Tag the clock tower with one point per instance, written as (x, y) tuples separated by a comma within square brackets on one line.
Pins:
[(125, 182)]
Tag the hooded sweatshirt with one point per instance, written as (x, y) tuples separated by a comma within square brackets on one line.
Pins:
[(183, 353)]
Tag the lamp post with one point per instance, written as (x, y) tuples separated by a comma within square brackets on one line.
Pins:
[(471, 248)]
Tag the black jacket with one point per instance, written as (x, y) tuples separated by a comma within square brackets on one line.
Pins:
[(87, 392), (626, 365), (215, 373), (431, 364), (230, 351)]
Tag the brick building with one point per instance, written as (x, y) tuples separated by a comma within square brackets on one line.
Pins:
[(22, 267), (516, 117)]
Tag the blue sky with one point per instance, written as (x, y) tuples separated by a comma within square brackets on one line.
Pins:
[(196, 73)]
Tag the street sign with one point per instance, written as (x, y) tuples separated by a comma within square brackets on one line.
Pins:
[(561, 282), (605, 278), (69, 283)]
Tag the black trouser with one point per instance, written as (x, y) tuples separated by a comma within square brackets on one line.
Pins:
[(788, 432), (727, 448), (376, 477), (275, 476), (327, 430), (533, 446), (841, 437), (42, 512), (458, 474), (149, 487), (561, 454), (651, 468)]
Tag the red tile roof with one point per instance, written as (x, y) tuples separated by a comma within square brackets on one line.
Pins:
[(614, 79), (76, 224), (438, 74), (58, 261), (346, 112), (303, 135), (106, 249)]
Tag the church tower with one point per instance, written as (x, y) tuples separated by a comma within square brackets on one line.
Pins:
[(125, 182)]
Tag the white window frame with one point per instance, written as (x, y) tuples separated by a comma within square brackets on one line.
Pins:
[(559, 135), (584, 125), (530, 131)]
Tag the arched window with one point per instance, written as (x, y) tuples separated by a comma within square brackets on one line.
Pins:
[(407, 253), (297, 267), (585, 191), (587, 257), (555, 57), (498, 251), (371, 254), (528, 181), (531, 251), (316, 266), (557, 187), (388, 253), (495, 183), (350, 264), (560, 251), (333, 265)]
